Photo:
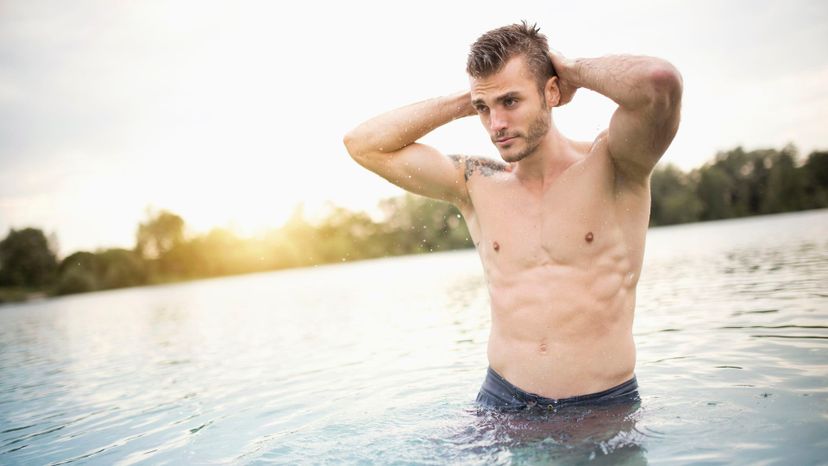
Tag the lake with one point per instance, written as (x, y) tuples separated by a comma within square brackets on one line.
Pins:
[(380, 361)]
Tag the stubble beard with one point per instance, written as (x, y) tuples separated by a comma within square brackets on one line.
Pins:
[(534, 136)]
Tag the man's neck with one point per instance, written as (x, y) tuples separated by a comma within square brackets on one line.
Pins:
[(550, 159)]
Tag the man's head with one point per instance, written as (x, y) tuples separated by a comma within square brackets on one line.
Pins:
[(513, 88)]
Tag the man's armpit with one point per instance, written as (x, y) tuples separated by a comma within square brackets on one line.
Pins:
[(472, 165)]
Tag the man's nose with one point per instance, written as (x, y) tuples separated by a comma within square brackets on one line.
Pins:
[(497, 122)]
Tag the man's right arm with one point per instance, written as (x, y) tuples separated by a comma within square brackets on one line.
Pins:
[(387, 146)]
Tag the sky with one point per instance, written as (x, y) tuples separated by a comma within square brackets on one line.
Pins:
[(231, 114)]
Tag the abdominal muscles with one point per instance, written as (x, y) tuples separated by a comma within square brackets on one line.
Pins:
[(560, 331)]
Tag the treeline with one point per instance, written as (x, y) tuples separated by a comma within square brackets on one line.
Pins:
[(163, 252), (735, 184)]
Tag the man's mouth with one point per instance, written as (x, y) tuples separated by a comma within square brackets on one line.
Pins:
[(504, 140)]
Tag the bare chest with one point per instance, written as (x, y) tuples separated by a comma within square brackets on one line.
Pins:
[(573, 222)]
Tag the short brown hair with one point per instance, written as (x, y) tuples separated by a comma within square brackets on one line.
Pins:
[(493, 49)]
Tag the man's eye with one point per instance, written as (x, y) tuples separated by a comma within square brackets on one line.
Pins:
[(481, 109), (510, 102)]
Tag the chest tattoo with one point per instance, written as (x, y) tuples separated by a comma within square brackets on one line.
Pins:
[(482, 165)]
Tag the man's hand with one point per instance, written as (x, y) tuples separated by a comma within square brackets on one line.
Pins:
[(565, 69)]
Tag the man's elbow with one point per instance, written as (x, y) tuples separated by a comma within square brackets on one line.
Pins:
[(351, 141), (666, 86)]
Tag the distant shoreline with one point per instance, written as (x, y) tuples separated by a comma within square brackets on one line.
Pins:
[(18, 295)]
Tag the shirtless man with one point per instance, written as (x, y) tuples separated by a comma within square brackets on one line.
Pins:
[(559, 224)]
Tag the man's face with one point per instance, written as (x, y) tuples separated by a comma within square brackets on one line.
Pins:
[(511, 109)]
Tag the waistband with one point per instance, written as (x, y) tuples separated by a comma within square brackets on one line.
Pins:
[(499, 392)]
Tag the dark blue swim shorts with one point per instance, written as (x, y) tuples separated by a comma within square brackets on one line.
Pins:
[(499, 394)]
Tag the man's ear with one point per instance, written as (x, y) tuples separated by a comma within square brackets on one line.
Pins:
[(551, 92)]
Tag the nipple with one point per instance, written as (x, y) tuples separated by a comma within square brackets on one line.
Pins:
[(588, 237), (496, 246)]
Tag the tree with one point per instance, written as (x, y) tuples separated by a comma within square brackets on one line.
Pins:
[(120, 268), (674, 197), (78, 273), (417, 224), (785, 188), (113, 268), (816, 180), (159, 234), (714, 192), (26, 259)]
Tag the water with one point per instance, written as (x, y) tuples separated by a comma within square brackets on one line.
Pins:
[(379, 362)]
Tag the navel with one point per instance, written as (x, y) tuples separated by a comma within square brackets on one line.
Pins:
[(588, 238), (496, 246)]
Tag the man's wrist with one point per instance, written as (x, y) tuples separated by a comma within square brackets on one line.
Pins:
[(573, 72), (459, 104)]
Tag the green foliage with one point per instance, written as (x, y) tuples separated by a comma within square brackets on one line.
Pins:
[(416, 224), (26, 259), (816, 180), (673, 197), (76, 280), (739, 183), (159, 234), (120, 268), (78, 273), (112, 268)]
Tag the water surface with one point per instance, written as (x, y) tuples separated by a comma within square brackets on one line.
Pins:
[(380, 361)]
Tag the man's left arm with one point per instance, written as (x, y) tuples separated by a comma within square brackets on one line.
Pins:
[(648, 93)]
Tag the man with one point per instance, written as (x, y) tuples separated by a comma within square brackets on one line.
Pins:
[(559, 224)]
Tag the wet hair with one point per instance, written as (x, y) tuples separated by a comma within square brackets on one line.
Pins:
[(490, 52)]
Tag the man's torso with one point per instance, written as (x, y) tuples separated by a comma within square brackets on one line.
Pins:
[(561, 264)]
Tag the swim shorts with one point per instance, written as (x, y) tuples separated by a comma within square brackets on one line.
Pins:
[(499, 394)]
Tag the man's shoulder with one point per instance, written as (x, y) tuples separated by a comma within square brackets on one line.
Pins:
[(478, 165), (597, 146)]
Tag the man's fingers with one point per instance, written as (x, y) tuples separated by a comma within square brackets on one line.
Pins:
[(558, 61)]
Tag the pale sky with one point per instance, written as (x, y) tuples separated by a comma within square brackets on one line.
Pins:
[(231, 113)]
